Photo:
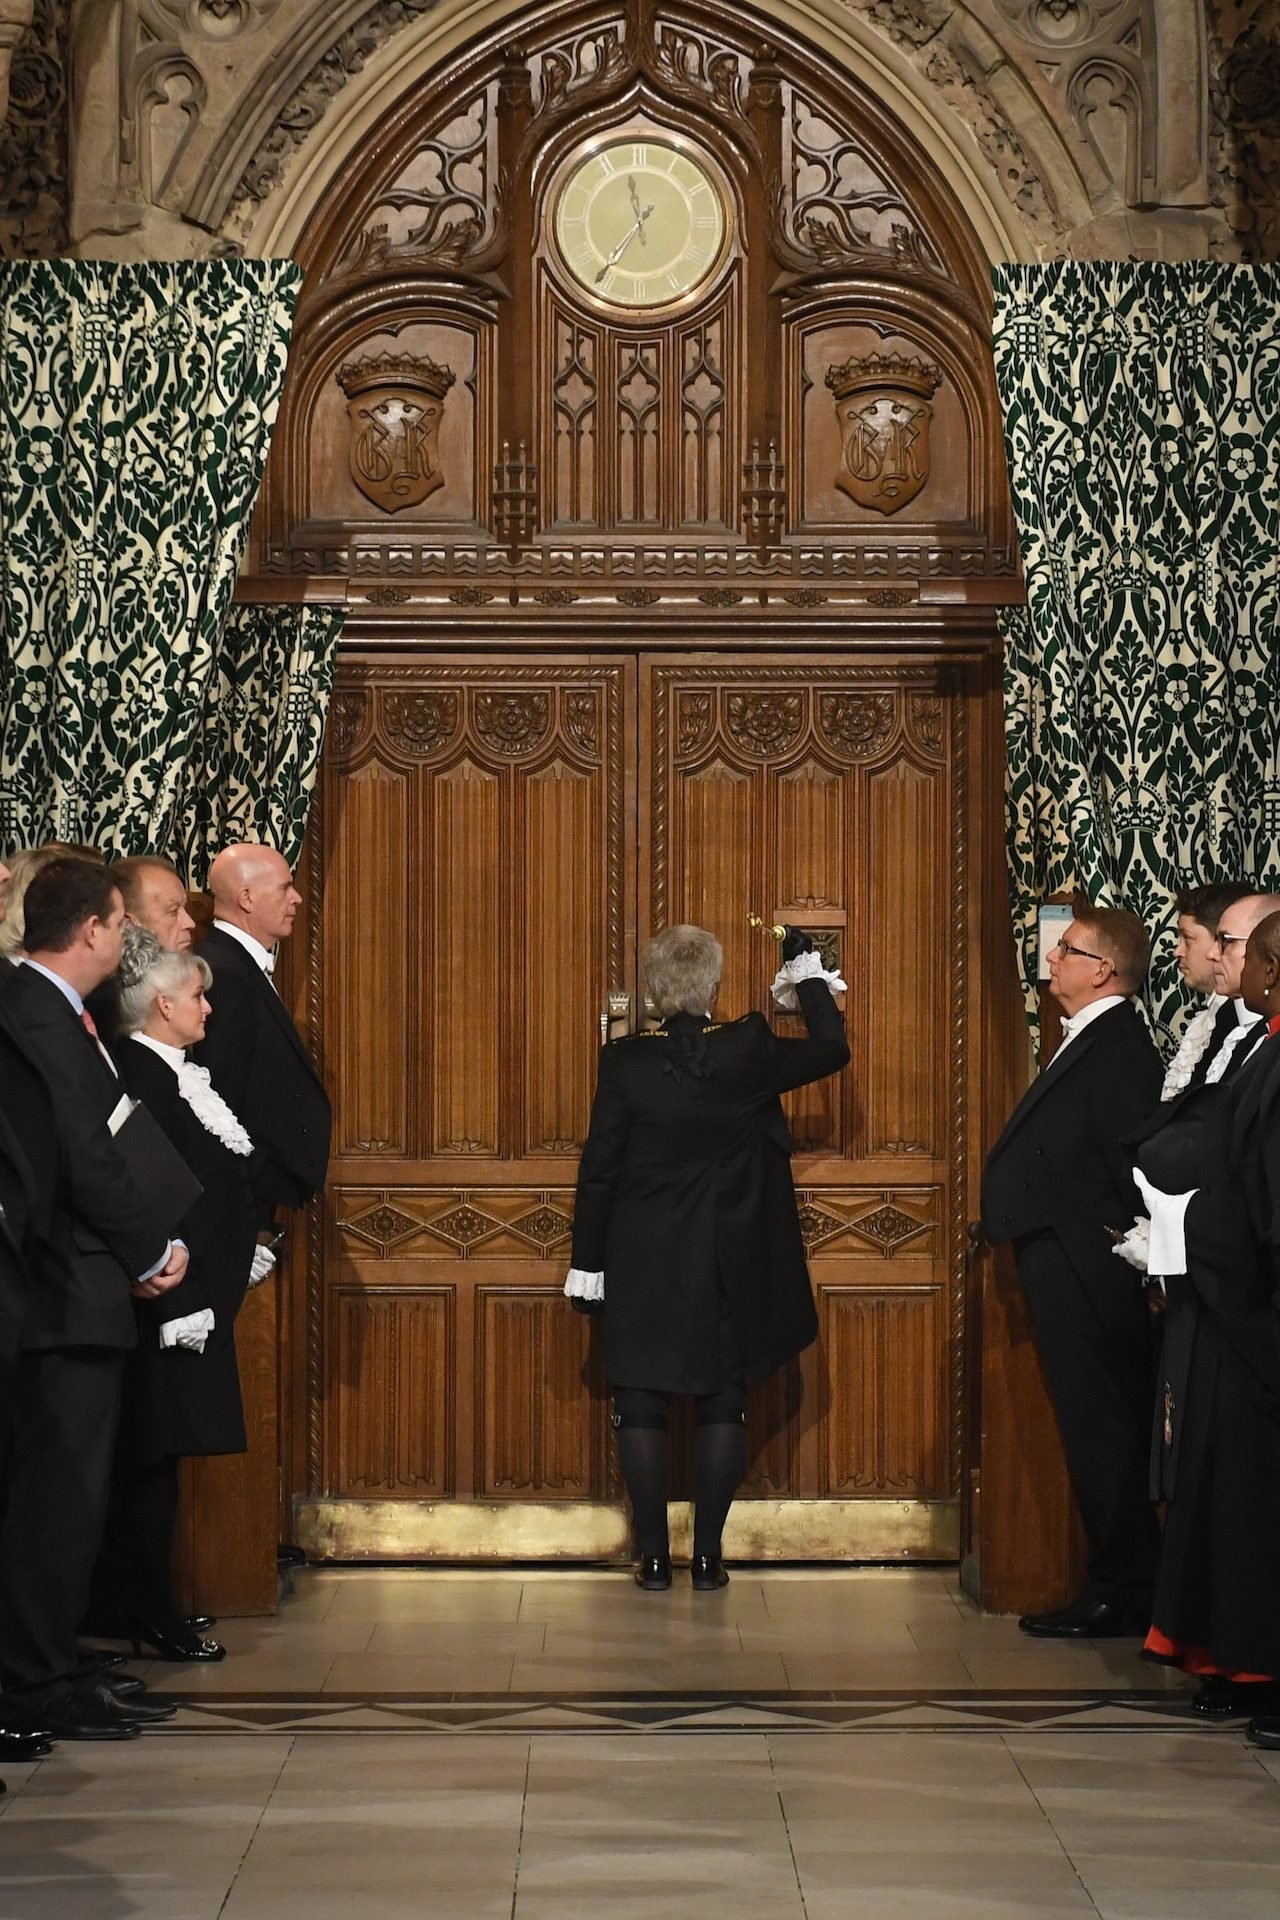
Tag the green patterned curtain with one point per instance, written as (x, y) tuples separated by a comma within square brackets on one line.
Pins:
[(1142, 688), (136, 408), (264, 727)]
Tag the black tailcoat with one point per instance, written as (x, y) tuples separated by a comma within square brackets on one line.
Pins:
[(258, 1063), (177, 1402), (1056, 1180), (95, 1235), (1216, 1446), (102, 1232), (685, 1196)]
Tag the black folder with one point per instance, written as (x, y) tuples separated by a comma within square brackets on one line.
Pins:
[(159, 1170)]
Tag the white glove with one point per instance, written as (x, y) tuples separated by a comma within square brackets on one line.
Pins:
[(582, 1285), (1133, 1247), (263, 1261), (805, 966), (190, 1331)]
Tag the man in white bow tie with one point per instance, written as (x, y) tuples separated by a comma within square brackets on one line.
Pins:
[(1056, 1183)]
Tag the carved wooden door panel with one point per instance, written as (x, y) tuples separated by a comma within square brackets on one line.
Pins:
[(476, 884), (473, 899), (833, 797)]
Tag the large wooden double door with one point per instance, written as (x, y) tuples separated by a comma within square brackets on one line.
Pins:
[(495, 839)]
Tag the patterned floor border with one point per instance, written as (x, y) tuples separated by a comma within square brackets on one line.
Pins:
[(899, 1711)]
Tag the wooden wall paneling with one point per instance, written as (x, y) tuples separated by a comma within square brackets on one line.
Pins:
[(228, 1527), (390, 1390), (465, 911), (905, 896), (535, 1431), (886, 1427), (367, 895)]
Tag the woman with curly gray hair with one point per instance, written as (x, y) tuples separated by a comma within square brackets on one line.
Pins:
[(686, 1237), (182, 1383)]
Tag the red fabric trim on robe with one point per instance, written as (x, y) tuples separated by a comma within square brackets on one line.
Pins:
[(1198, 1660)]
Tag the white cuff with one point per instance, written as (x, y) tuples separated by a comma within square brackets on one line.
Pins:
[(805, 966), (582, 1285), (190, 1330), (1167, 1243)]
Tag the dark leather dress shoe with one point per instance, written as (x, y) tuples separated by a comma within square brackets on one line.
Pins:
[(123, 1685), (287, 1555), (201, 1622), (143, 1713), (707, 1572), (83, 1716), (28, 1745), (1086, 1620), (1219, 1699), (654, 1572), (1264, 1731)]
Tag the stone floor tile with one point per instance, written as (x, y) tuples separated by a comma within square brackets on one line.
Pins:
[(428, 1596), (416, 1673), (813, 1670)]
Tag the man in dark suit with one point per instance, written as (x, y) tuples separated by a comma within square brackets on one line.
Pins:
[(1199, 911), (101, 1239), (254, 1054), (155, 898), (1058, 1183)]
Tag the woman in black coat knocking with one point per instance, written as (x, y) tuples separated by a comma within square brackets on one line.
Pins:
[(686, 1234), (182, 1382)]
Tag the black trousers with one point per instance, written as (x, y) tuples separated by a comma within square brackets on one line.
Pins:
[(55, 1496), (1097, 1363), (134, 1574)]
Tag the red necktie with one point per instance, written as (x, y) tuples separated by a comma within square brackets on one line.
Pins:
[(88, 1023)]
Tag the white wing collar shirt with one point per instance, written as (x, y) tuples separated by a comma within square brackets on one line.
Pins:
[(261, 956), (1077, 1023)]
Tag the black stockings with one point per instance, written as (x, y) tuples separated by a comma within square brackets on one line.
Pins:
[(719, 1463)]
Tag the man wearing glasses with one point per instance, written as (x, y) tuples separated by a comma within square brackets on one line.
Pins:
[(1227, 955), (1056, 1184)]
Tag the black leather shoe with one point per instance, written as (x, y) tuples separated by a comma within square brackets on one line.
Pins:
[(123, 1685), (176, 1643), (1086, 1620), (82, 1716), (654, 1572), (24, 1746), (1220, 1699), (707, 1572), (143, 1713), (1264, 1731), (201, 1622), (287, 1555)]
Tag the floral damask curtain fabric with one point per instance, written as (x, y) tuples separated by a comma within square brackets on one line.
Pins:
[(136, 408), (258, 759), (1142, 688)]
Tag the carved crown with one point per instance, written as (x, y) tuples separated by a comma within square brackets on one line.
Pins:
[(880, 370), (409, 372)]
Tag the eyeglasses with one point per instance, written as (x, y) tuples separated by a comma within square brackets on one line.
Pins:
[(1082, 953), (1233, 939)]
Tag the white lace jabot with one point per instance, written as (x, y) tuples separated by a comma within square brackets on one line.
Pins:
[(198, 1090)]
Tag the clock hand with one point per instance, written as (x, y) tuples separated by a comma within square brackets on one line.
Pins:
[(635, 197), (625, 242)]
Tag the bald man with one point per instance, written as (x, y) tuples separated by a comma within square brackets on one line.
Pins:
[(252, 1050)]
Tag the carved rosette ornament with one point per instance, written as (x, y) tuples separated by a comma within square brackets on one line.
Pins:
[(766, 723), (395, 403), (419, 724), (858, 724), (512, 723), (882, 405)]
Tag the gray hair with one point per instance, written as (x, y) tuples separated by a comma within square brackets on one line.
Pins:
[(148, 969), (682, 967)]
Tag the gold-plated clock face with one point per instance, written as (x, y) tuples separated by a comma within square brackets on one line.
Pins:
[(640, 222)]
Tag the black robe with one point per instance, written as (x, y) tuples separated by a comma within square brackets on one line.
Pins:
[(175, 1401), (1216, 1441), (686, 1202)]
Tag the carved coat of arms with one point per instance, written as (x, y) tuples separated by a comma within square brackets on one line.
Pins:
[(395, 402), (882, 405)]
